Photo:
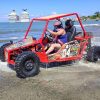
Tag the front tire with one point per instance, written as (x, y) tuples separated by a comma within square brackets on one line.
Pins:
[(27, 64)]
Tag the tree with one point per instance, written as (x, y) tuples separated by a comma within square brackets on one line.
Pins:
[(97, 14)]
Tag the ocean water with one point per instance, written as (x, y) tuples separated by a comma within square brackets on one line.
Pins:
[(16, 31)]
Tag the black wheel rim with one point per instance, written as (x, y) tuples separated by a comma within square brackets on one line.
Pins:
[(29, 66)]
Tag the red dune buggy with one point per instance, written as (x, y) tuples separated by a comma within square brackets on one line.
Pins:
[(27, 54)]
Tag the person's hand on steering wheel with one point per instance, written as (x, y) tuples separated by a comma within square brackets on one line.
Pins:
[(49, 36)]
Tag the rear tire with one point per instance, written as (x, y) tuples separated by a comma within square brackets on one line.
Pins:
[(92, 54), (27, 64), (2, 56)]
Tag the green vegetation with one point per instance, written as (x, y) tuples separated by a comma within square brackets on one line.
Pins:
[(95, 16)]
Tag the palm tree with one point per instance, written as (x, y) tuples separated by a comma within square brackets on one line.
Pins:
[(97, 14)]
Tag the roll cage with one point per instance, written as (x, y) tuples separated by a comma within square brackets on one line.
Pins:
[(53, 17)]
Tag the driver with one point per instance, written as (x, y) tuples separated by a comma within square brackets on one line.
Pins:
[(61, 35)]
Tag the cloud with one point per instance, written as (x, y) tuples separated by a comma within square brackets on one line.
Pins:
[(54, 13)]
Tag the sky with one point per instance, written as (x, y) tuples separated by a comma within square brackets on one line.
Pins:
[(48, 7)]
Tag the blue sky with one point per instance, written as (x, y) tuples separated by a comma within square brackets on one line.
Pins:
[(47, 7)]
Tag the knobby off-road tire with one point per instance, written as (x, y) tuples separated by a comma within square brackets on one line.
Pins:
[(91, 51), (2, 56), (27, 64), (93, 54)]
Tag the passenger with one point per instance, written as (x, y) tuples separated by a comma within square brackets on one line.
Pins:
[(61, 37), (70, 29)]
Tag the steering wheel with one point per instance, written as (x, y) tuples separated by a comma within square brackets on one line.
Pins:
[(49, 36)]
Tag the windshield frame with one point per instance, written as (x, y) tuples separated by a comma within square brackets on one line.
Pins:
[(44, 29)]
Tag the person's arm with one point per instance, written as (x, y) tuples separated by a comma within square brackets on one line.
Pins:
[(56, 33), (73, 33)]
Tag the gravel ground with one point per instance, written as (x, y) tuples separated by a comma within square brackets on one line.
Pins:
[(80, 81)]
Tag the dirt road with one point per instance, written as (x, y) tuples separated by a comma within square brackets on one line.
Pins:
[(76, 82)]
